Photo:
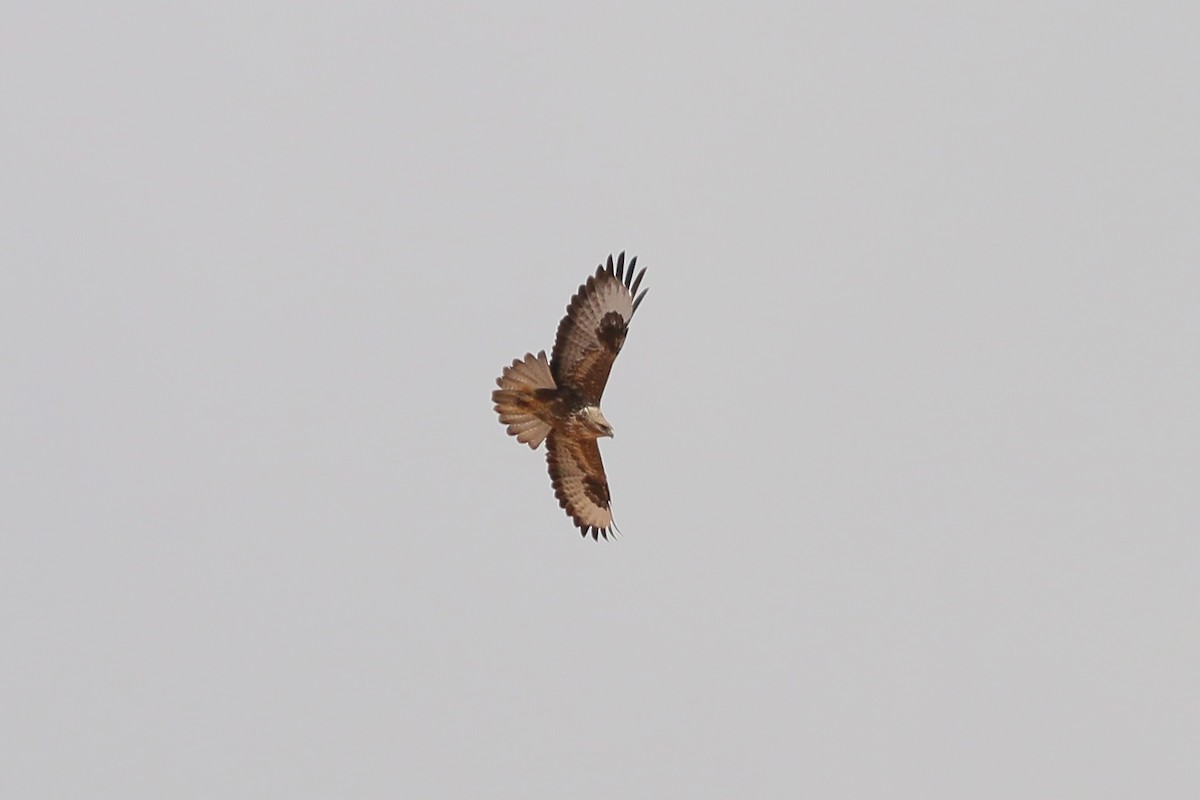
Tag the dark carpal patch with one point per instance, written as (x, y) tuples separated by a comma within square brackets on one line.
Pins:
[(596, 490), (611, 331)]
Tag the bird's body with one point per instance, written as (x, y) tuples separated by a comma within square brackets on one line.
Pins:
[(558, 400)]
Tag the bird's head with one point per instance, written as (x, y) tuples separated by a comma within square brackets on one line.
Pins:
[(595, 422)]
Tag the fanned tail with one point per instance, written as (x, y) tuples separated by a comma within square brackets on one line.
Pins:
[(517, 402)]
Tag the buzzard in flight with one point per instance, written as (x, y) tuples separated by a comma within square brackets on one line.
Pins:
[(559, 400)]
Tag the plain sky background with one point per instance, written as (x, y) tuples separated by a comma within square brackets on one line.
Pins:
[(907, 455)]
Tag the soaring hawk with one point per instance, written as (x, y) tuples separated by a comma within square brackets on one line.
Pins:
[(558, 401)]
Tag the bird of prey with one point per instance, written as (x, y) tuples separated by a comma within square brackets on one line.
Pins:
[(558, 401)]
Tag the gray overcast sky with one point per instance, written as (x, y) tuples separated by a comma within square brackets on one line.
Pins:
[(907, 448)]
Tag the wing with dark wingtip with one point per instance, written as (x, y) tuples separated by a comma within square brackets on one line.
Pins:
[(593, 331), (579, 482)]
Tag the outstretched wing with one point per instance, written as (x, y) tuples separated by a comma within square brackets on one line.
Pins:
[(592, 332), (579, 483)]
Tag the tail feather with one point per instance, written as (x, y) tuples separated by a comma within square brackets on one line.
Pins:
[(516, 402)]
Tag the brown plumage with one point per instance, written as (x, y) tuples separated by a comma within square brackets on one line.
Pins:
[(558, 401)]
